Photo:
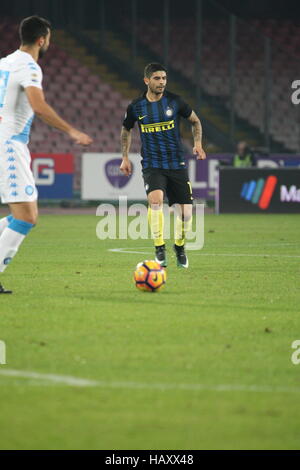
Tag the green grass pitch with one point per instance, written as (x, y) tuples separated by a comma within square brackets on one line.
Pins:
[(204, 364)]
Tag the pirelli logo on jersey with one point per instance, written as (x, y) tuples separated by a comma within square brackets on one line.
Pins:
[(158, 126)]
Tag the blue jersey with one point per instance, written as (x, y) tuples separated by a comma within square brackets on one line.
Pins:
[(159, 123)]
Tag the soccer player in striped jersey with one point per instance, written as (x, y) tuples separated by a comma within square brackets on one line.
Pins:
[(158, 113)]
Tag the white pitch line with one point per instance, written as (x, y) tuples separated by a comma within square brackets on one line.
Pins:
[(78, 382), (59, 379), (127, 250), (264, 255), (260, 245)]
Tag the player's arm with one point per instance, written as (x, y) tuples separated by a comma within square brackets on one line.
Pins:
[(127, 127), (125, 145), (47, 114), (197, 134)]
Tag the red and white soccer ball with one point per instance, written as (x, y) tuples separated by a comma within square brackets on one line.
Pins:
[(150, 276)]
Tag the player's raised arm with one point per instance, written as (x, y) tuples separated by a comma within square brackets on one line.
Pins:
[(125, 143), (197, 134), (45, 112)]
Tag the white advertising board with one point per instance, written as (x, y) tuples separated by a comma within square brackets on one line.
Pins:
[(102, 179)]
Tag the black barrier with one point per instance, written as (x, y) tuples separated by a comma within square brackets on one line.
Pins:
[(252, 190)]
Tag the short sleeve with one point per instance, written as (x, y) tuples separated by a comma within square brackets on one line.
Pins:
[(31, 75), (184, 109), (130, 118)]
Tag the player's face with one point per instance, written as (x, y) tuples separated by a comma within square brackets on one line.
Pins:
[(44, 44), (157, 82), (241, 148)]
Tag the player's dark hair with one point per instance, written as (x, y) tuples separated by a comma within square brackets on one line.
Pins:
[(150, 69), (32, 28)]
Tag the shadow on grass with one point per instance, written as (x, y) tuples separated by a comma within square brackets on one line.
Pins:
[(164, 300)]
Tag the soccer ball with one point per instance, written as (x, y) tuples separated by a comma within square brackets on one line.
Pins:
[(150, 276)]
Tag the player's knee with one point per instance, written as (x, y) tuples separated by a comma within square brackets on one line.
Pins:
[(156, 205), (155, 201), (31, 218)]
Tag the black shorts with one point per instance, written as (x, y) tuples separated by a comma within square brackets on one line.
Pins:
[(174, 183)]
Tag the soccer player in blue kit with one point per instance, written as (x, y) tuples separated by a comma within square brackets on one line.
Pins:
[(158, 114)]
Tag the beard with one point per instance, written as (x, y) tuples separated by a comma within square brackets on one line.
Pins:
[(42, 52), (157, 91)]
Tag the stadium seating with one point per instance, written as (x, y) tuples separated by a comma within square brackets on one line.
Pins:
[(80, 97), (250, 84), (97, 107)]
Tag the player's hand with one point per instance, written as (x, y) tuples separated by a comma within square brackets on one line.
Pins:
[(198, 150), (79, 137), (126, 167)]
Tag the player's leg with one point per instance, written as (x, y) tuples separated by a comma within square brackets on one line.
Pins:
[(156, 217), (4, 221), (155, 186), (180, 195), (183, 224), (156, 223), (24, 218), (19, 192), (26, 211)]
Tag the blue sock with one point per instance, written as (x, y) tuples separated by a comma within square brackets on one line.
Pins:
[(20, 226)]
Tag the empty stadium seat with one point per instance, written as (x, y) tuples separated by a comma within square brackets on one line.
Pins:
[(80, 97)]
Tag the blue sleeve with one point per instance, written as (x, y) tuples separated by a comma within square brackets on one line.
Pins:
[(130, 118), (184, 109)]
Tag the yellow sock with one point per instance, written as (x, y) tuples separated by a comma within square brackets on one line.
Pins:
[(156, 222), (182, 227)]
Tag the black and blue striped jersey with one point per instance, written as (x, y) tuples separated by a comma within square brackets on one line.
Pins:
[(159, 123)]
